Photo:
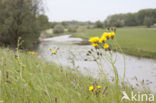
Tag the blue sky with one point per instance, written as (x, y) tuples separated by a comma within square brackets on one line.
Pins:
[(92, 10)]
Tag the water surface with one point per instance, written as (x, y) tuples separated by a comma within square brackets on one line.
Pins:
[(139, 71)]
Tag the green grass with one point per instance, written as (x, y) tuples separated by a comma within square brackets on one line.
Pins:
[(137, 41), (42, 82)]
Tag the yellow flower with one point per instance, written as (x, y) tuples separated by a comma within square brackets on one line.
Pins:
[(102, 39), (106, 46), (32, 52), (54, 52), (109, 35), (91, 88), (98, 87), (49, 48), (105, 35), (94, 39), (112, 34), (94, 44)]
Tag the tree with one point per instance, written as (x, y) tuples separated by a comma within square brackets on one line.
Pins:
[(18, 18), (43, 22), (98, 24), (132, 19), (148, 21)]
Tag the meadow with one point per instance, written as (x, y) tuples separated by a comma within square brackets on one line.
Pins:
[(136, 41), (27, 79)]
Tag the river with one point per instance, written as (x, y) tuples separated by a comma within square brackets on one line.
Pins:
[(140, 72)]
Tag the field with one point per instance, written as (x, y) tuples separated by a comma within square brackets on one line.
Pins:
[(136, 41)]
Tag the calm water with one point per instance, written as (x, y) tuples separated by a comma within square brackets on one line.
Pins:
[(139, 71)]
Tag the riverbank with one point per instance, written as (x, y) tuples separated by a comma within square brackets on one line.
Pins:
[(25, 78), (136, 41)]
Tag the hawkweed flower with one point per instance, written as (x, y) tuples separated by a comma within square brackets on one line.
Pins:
[(112, 34), (94, 44), (106, 35), (109, 35), (49, 48), (31, 52), (91, 88), (94, 39), (102, 39), (106, 46), (54, 52), (96, 90), (98, 87)]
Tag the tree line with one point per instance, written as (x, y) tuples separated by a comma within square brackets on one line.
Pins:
[(143, 17)]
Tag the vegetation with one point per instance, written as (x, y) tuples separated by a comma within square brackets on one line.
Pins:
[(58, 29), (28, 79), (137, 41), (20, 18), (98, 24), (143, 17), (72, 29)]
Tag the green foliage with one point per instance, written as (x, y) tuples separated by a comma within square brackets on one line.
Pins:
[(98, 24), (58, 29), (72, 29), (43, 22), (18, 18), (65, 24), (132, 19), (148, 21)]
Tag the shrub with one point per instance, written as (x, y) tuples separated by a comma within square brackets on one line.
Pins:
[(58, 29)]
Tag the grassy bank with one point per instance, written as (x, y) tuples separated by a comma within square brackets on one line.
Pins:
[(137, 41), (26, 79)]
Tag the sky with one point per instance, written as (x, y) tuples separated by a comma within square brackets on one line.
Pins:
[(92, 10)]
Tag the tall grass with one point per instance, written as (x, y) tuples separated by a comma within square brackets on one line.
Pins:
[(44, 82)]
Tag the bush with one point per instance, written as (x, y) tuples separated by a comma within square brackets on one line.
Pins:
[(58, 29), (72, 29)]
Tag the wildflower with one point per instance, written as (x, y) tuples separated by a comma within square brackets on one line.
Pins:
[(94, 44), (98, 87), (49, 48), (91, 88), (106, 46), (112, 34), (94, 39), (102, 39), (31, 52), (109, 35), (54, 52), (106, 35)]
